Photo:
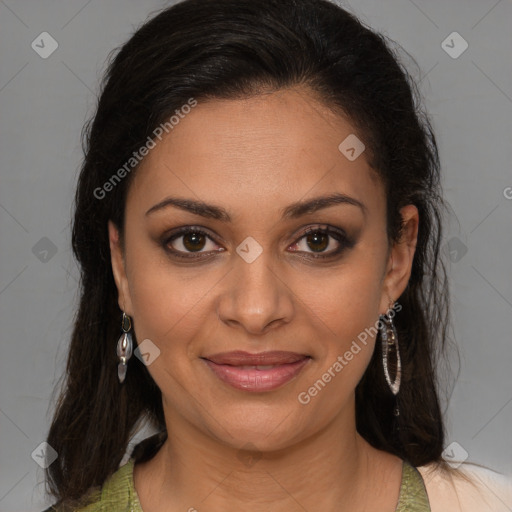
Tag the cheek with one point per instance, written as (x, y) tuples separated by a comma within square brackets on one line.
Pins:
[(347, 300), (168, 302), (343, 356), (345, 308)]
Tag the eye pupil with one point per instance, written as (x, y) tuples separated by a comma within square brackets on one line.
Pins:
[(196, 241), (317, 238)]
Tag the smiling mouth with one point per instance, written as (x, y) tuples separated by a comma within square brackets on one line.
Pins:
[(258, 377)]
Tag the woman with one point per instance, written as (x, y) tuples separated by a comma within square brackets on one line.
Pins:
[(258, 222)]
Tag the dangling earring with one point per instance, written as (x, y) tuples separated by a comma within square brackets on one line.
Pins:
[(124, 347), (389, 344)]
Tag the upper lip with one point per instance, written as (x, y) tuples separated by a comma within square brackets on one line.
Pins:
[(241, 358)]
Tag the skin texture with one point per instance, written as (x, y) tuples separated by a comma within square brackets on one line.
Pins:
[(254, 157)]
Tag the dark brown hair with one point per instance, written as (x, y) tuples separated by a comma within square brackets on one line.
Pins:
[(208, 49)]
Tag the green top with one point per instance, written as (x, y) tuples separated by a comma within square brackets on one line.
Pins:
[(118, 494)]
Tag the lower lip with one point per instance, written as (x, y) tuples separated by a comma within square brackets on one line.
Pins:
[(255, 380)]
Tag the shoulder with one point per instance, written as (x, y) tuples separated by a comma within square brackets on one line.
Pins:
[(466, 489), (119, 490), (115, 494)]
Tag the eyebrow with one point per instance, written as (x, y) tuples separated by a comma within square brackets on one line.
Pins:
[(293, 211)]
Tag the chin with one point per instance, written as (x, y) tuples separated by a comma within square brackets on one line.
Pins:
[(262, 436)]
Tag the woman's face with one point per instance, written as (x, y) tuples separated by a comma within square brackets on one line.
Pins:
[(253, 279)]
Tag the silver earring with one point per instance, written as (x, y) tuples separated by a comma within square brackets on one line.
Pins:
[(389, 344), (124, 347)]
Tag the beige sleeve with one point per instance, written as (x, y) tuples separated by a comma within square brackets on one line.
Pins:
[(487, 491)]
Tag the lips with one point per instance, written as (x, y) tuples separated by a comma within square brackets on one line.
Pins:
[(271, 358), (261, 372)]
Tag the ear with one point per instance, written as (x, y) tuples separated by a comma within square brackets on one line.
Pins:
[(400, 259), (119, 269)]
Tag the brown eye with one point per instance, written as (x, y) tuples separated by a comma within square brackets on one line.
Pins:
[(316, 241), (188, 241), (194, 241)]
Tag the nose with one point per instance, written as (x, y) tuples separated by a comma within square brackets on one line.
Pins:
[(255, 296)]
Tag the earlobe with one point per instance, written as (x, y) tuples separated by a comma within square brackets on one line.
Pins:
[(402, 256), (118, 269)]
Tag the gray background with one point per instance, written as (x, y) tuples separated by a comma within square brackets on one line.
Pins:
[(44, 103)]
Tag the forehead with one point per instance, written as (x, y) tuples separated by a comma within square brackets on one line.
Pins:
[(263, 151)]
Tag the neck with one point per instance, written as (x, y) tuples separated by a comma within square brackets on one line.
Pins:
[(333, 469)]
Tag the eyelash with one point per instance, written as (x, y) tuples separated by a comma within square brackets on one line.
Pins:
[(338, 235)]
